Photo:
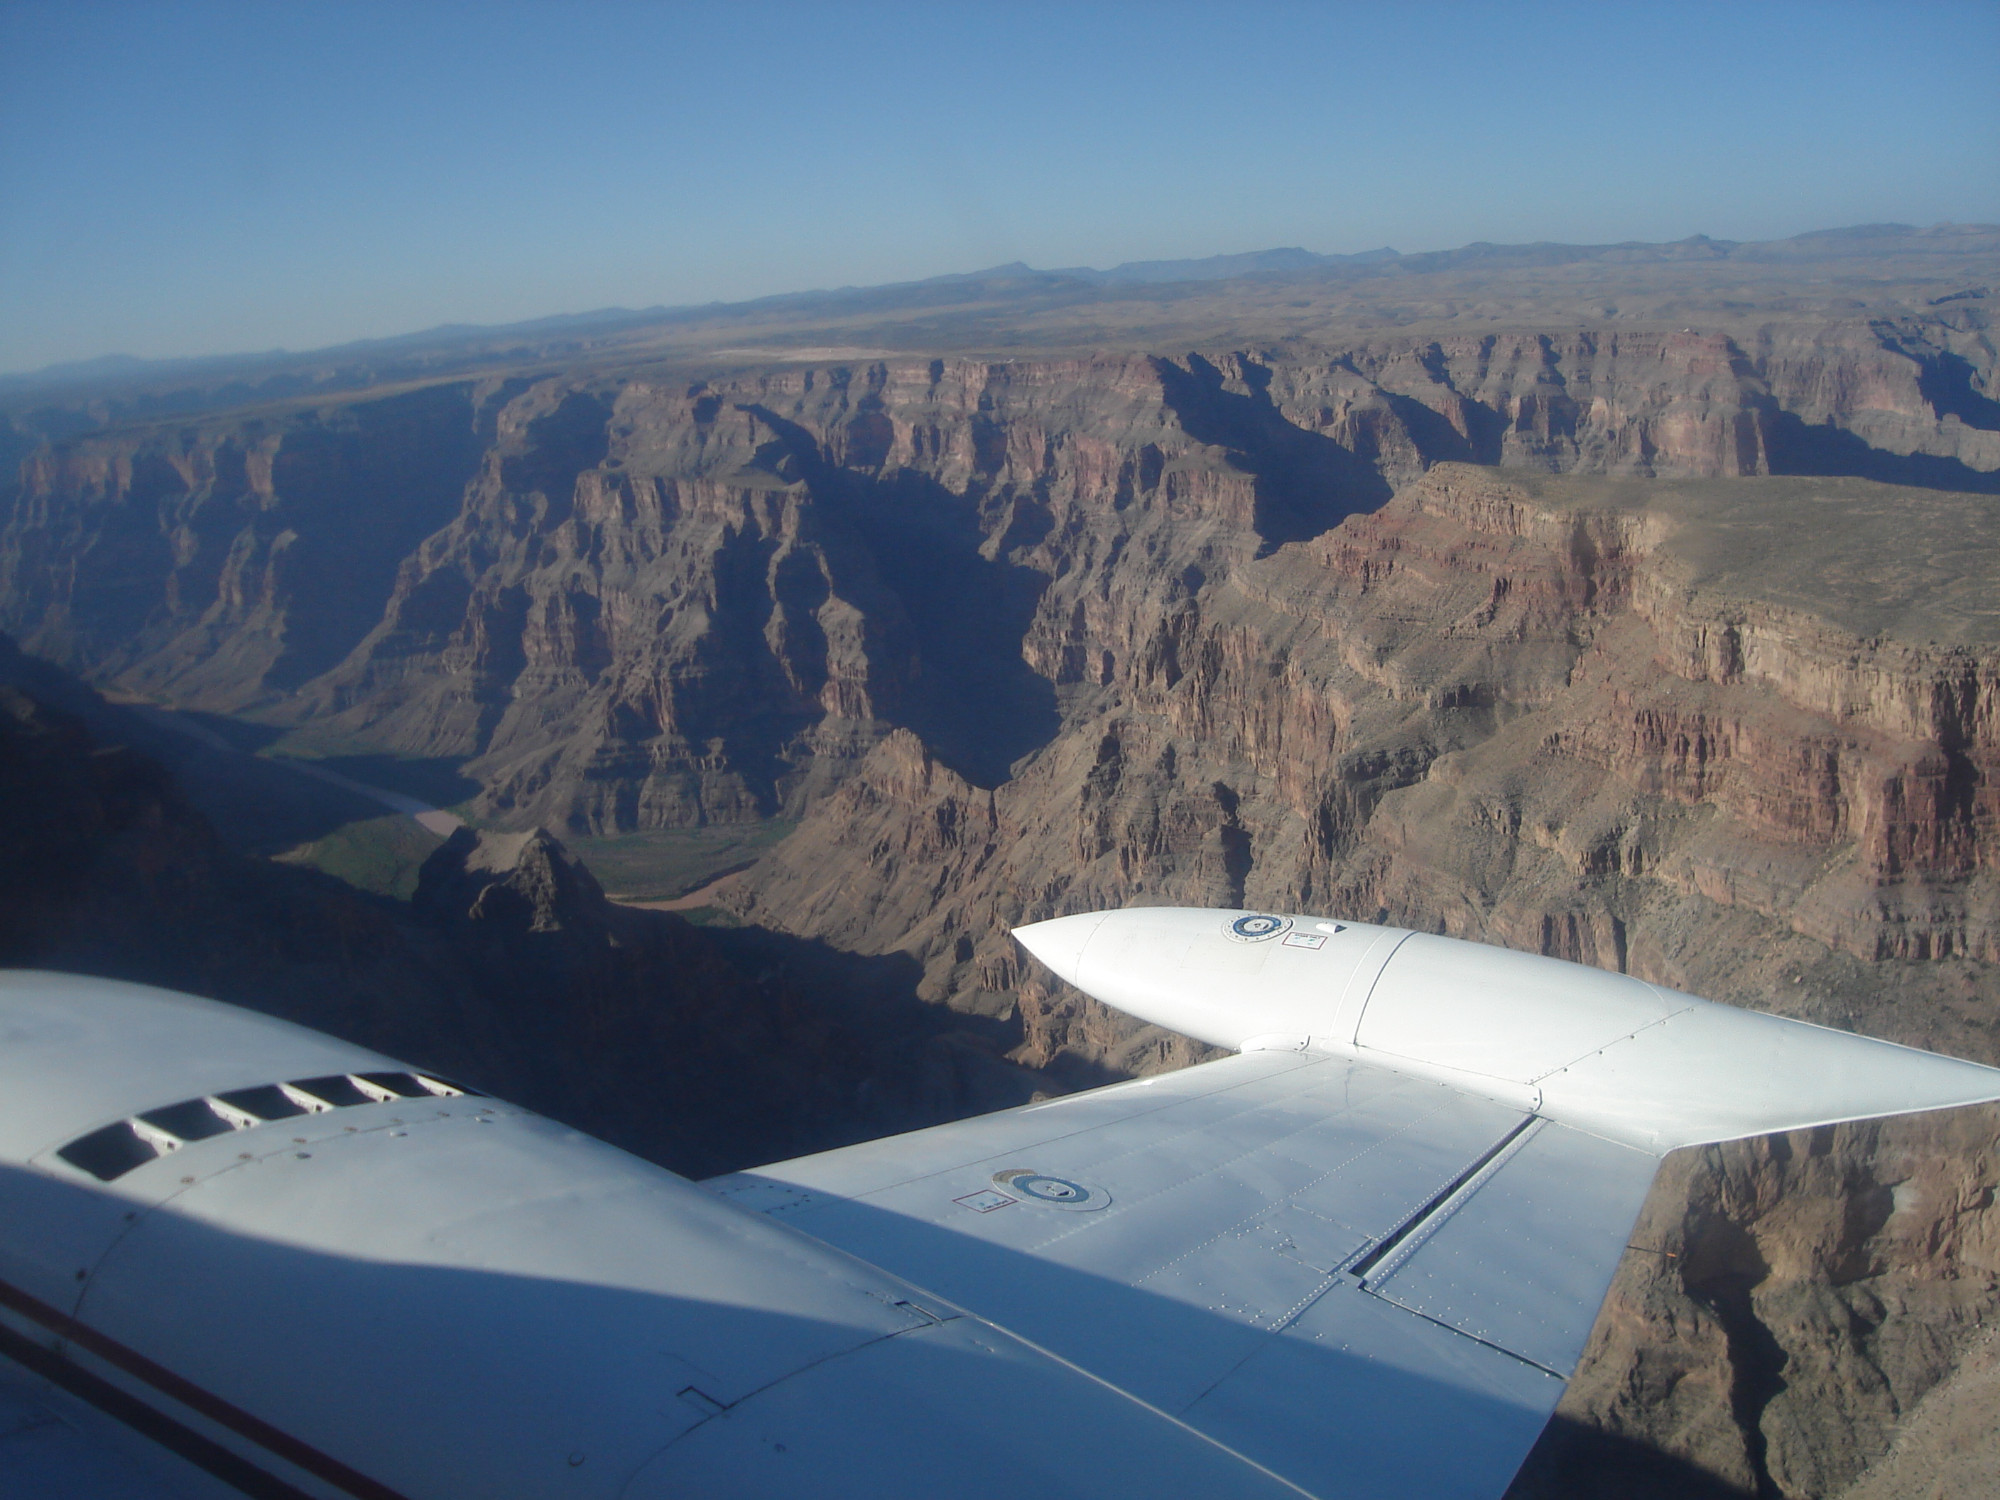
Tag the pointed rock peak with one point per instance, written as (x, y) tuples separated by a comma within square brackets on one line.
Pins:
[(545, 886), (500, 853)]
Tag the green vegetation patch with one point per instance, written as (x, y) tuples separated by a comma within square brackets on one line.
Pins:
[(666, 863), (711, 916), (381, 855)]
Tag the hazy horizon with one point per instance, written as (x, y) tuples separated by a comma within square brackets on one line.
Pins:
[(119, 356)]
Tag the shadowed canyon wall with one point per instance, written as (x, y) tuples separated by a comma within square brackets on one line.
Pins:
[(509, 970), (652, 601)]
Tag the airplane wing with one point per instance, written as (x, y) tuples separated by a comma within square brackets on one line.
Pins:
[(55, 1447), (1365, 1282), (1365, 1252), (1358, 1257)]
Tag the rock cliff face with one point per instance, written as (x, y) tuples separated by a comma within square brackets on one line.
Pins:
[(236, 558), (1529, 710), (636, 600), (1582, 717)]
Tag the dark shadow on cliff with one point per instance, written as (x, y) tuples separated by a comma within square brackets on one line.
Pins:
[(555, 449), (1485, 436), (1306, 483), (510, 970), (362, 485), (924, 1063), (1440, 442), (1798, 447), (1947, 382), (1572, 1461), (755, 691), (968, 694)]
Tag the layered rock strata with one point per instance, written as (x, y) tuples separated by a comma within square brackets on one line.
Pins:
[(1616, 721), (635, 600)]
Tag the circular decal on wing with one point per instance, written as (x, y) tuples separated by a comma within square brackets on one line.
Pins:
[(1257, 926), (1052, 1192)]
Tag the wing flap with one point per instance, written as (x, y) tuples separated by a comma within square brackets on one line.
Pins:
[(1520, 1256), (1358, 1399)]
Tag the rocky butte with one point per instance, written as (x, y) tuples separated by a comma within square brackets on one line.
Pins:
[(1634, 604)]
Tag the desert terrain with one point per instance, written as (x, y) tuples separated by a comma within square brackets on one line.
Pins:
[(1634, 604)]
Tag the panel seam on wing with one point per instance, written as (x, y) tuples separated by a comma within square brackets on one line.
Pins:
[(1617, 1041), (1269, 1208)]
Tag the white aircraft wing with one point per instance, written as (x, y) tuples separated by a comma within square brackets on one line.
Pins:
[(1366, 1252), (1367, 1283), (1357, 1258)]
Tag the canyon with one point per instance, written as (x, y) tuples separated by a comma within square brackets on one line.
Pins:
[(1638, 606)]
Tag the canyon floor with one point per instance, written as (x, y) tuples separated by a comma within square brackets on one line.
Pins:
[(1634, 604)]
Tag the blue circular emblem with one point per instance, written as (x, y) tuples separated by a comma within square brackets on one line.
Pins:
[(1055, 1192), (1051, 1189), (1257, 926)]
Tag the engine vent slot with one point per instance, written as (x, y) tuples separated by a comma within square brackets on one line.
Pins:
[(113, 1150), (269, 1102), (110, 1152), (410, 1085), (337, 1089), (191, 1120)]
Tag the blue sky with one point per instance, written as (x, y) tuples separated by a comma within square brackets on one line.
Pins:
[(195, 178)]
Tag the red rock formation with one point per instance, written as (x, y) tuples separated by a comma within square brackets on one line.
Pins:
[(1532, 712), (637, 601)]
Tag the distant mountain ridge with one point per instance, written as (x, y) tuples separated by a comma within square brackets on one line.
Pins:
[(113, 370)]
